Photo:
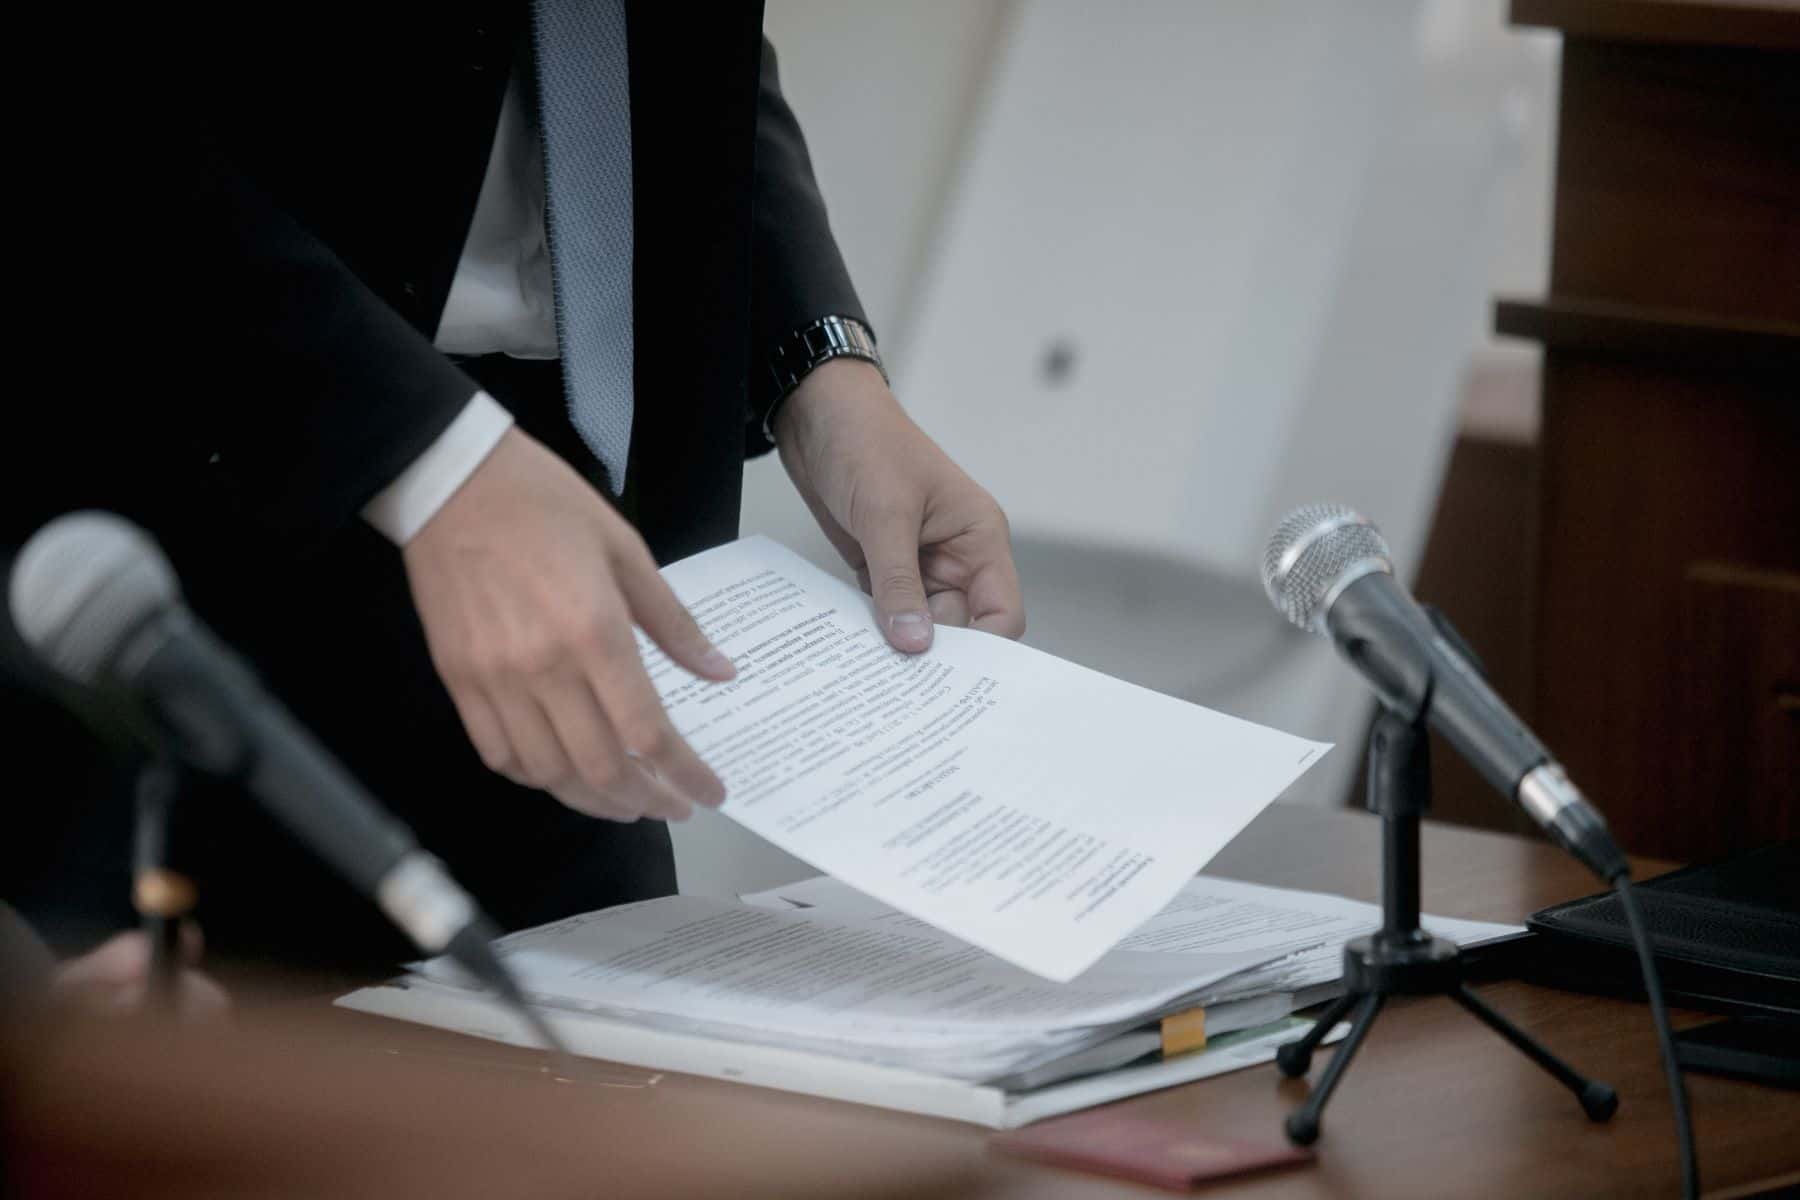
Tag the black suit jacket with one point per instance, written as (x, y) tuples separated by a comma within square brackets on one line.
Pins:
[(242, 224), (277, 207)]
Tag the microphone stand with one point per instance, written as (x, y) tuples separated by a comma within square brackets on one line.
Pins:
[(163, 897), (1401, 959)]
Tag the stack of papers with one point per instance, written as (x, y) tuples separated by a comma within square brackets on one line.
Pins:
[(863, 988), (822, 968), (1298, 936), (1011, 840)]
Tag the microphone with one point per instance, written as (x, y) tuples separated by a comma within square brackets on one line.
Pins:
[(1327, 569), (98, 602)]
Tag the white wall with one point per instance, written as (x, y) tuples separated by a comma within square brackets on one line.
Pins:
[(885, 93), (1266, 230)]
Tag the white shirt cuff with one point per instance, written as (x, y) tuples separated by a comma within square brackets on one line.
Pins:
[(401, 509)]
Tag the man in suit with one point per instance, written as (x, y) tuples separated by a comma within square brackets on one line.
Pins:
[(441, 327)]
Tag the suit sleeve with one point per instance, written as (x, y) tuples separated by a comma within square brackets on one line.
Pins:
[(798, 274), (228, 355), (315, 392)]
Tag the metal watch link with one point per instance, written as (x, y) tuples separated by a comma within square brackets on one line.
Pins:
[(795, 356)]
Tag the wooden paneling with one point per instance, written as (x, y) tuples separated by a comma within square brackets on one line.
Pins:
[(1688, 22), (1678, 179), (1739, 694), (1477, 568), (1645, 472), (1733, 345), (1669, 461)]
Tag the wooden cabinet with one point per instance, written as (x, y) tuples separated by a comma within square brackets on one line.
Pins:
[(1665, 624)]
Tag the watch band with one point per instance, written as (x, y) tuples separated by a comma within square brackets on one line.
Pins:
[(795, 357)]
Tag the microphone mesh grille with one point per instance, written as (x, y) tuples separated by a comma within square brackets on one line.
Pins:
[(1310, 551), (81, 584)]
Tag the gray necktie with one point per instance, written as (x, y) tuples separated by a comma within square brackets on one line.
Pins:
[(584, 107)]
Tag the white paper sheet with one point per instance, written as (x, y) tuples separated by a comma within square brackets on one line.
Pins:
[(860, 988), (1301, 935), (1031, 807), (478, 1014)]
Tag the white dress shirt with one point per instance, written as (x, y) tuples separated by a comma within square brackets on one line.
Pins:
[(501, 302)]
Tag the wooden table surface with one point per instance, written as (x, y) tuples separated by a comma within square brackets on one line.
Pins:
[(1434, 1106)]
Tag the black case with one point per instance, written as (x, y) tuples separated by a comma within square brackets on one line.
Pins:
[(1727, 937)]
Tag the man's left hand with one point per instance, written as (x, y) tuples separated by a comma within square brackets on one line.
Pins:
[(925, 540)]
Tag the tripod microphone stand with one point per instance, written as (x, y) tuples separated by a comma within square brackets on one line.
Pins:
[(1401, 959)]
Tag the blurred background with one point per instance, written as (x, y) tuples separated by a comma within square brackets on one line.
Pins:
[(1155, 273)]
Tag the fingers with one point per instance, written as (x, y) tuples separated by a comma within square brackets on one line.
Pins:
[(527, 585), (535, 756), (561, 741), (648, 739), (996, 602), (655, 608), (603, 766), (588, 727), (949, 608), (615, 671), (485, 731), (891, 549)]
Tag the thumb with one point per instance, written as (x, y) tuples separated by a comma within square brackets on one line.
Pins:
[(892, 552)]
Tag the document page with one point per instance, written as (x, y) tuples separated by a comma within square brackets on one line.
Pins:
[(1299, 935), (857, 988), (1029, 806)]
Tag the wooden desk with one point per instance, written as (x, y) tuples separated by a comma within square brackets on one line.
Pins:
[(1435, 1106)]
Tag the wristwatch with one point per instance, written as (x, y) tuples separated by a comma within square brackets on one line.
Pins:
[(800, 352)]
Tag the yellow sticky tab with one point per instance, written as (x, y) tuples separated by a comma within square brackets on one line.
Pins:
[(1184, 1032)]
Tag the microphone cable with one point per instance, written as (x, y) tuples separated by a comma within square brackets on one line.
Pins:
[(1665, 1037)]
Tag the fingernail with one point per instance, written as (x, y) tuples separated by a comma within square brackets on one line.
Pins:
[(911, 630), (714, 662)]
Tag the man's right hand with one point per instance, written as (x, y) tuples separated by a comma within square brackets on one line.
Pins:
[(528, 584)]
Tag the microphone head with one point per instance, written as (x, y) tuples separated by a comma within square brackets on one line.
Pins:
[(82, 584), (1316, 552)]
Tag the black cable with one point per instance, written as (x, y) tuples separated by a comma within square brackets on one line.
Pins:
[(1659, 1014)]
